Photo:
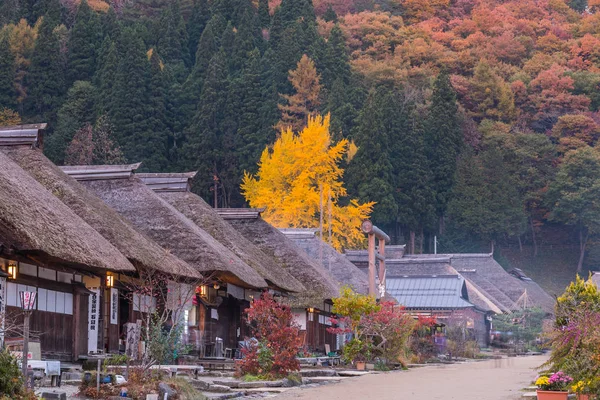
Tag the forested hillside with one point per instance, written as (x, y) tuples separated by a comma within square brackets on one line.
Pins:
[(472, 120)]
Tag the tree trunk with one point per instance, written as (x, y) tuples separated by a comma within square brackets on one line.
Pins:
[(520, 244), (422, 240), (412, 242), (492, 245), (533, 237), (582, 244)]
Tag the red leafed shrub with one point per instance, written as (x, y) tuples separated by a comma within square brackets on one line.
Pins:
[(278, 336)]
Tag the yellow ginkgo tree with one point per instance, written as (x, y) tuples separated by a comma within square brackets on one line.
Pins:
[(299, 182)]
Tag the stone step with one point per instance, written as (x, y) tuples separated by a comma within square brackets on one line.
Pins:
[(530, 388), (262, 390), (309, 373), (322, 379), (529, 395), (222, 396), (350, 373), (259, 384)]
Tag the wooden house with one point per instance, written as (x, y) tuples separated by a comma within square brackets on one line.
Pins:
[(332, 261), (116, 302), (175, 189), (312, 308), (47, 248), (218, 312)]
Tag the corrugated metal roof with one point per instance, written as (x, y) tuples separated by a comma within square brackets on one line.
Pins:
[(424, 292)]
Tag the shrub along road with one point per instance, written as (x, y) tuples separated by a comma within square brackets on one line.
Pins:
[(486, 380)]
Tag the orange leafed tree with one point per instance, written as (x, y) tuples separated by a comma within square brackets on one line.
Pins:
[(305, 102), (298, 177)]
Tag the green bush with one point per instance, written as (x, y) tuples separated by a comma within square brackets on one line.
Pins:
[(11, 380)]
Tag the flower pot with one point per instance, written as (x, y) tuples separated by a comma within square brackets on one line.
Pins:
[(360, 365), (581, 396), (551, 395)]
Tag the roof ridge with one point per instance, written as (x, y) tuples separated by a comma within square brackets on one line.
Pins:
[(100, 172)]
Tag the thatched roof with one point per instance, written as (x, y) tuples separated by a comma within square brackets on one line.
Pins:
[(174, 188), (332, 261), (487, 281), (140, 250), (483, 271), (164, 224), (319, 283), (36, 225)]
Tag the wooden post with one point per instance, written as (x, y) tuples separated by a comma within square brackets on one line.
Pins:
[(25, 346), (372, 288), (382, 263), (98, 377)]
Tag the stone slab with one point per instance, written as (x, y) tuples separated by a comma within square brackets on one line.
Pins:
[(350, 373), (318, 372), (259, 384)]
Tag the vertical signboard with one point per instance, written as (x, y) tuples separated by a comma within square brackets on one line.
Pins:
[(114, 306), (2, 310), (94, 312)]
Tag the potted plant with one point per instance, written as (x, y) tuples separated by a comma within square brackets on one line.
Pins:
[(584, 389), (553, 387), (357, 352)]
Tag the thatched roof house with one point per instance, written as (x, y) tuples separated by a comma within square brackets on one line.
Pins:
[(139, 250), (319, 283), (344, 272), (490, 286), (175, 189), (35, 225), (121, 190)]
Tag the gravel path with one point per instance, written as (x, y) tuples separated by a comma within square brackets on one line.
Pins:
[(486, 380)]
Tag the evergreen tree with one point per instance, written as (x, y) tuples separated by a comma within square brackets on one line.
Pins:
[(131, 109), (46, 76), (202, 148), (83, 44), (196, 24), (8, 93), (370, 174), (414, 194), (337, 63), (172, 37), (247, 38), (105, 74), (76, 112), (251, 135), (159, 135), (264, 16), (343, 112), (443, 140), (330, 15), (110, 24)]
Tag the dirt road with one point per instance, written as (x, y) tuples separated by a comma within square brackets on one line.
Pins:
[(486, 380)]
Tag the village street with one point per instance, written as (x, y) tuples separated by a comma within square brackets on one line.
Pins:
[(486, 380)]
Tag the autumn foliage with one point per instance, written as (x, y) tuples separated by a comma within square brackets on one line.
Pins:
[(278, 336), (297, 175)]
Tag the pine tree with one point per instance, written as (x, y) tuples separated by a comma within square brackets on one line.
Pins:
[(109, 23), (196, 24), (264, 16), (130, 109), (105, 74), (343, 112), (202, 148), (443, 140), (76, 112), (370, 174), (46, 74), (330, 14), (159, 135), (172, 37), (337, 63), (251, 135), (8, 94), (414, 194), (83, 44)]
